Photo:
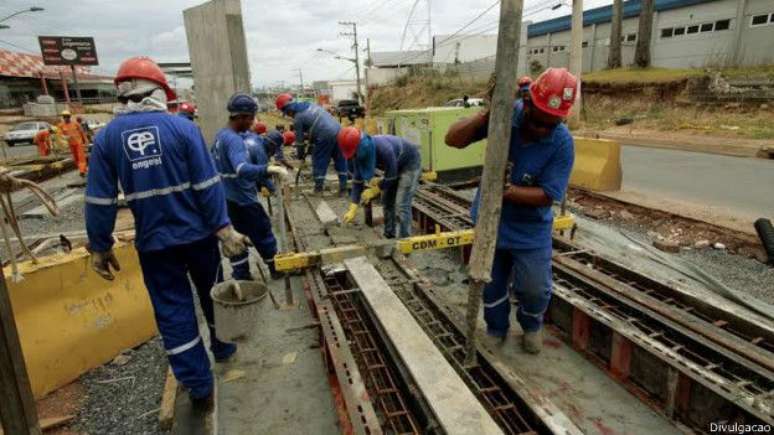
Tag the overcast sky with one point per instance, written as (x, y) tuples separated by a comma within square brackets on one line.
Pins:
[(282, 35)]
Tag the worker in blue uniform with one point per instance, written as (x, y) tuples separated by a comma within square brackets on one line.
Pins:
[(274, 141), (179, 208), (401, 164), (240, 176), (257, 155), (321, 127), (542, 154)]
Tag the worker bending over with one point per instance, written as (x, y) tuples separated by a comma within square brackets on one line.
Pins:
[(179, 210), (43, 140), (274, 141), (321, 127), (541, 152), (402, 166), (76, 139), (239, 179)]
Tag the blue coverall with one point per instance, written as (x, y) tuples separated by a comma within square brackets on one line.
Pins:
[(322, 128), (247, 215), (178, 204), (402, 166), (257, 154), (523, 254), (273, 142)]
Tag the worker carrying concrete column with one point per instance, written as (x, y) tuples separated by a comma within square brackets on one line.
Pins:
[(239, 179), (401, 163), (274, 141), (524, 83), (187, 110), (179, 209), (542, 154), (321, 127), (76, 140), (43, 140)]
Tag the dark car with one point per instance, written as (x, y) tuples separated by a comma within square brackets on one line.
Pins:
[(349, 109)]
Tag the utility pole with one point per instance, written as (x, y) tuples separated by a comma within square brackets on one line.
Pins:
[(368, 65), (353, 34), (642, 53), (614, 56), (496, 156), (301, 80), (576, 54)]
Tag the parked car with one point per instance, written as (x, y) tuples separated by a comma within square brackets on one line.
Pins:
[(349, 109), (460, 102), (24, 132)]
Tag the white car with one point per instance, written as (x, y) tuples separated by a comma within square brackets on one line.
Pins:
[(24, 132), (459, 102)]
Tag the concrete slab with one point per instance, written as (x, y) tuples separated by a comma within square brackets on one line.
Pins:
[(456, 408)]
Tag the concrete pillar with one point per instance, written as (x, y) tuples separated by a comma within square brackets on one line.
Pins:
[(523, 67), (592, 47), (548, 51), (739, 23), (218, 54)]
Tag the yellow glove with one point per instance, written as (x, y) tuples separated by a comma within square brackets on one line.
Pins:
[(265, 192), (370, 193), (374, 182), (349, 216)]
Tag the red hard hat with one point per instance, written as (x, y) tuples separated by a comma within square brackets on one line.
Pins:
[(187, 108), (525, 80), (349, 139), (283, 100), (288, 137), (142, 67), (554, 92), (259, 128)]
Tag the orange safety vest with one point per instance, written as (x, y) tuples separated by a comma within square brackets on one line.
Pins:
[(73, 132)]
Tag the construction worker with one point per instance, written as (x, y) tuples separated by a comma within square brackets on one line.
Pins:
[(187, 111), (523, 91), (274, 141), (257, 155), (321, 127), (76, 139), (179, 208), (239, 179), (541, 152), (402, 166), (43, 140)]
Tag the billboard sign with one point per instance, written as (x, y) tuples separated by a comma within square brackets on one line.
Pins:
[(67, 50)]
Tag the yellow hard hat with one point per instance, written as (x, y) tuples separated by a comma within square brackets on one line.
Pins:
[(54, 129), (66, 113)]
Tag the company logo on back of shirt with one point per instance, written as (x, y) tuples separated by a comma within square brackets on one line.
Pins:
[(142, 146)]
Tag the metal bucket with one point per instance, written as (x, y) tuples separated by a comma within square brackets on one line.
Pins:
[(237, 305)]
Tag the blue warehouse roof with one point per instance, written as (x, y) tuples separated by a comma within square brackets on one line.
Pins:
[(604, 15)]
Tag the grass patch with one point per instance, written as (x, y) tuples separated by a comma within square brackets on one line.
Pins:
[(641, 75)]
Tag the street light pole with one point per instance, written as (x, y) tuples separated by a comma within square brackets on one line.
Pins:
[(353, 34), (32, 9)]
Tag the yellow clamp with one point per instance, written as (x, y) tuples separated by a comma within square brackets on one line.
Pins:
[(564, 222), (427, 242)]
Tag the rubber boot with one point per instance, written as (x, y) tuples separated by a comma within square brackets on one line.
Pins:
[(221, 351), (202, 405), (275, 274), (532, 342), (318, 190)]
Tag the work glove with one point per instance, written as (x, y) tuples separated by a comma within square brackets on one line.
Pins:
[(279, 171), (101, 262), (233, 243), (265, 192), (349, 216), (370, 193)]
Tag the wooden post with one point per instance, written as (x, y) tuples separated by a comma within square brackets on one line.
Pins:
[(17, 407), (495, 160)]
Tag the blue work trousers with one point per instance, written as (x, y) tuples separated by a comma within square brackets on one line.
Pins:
[(397, 203), (322, 154), (527, 273), (252, 221), (166, 273)]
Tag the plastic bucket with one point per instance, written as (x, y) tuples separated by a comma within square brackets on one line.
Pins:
[(237, 305)]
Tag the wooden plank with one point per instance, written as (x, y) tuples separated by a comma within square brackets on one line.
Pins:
[(326, 214), (168, 397), (17, 407), (456, 408)]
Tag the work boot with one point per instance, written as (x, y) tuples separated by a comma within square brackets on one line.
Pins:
[(343, 193), (222, 351), (318, 191), (204, 405), (532, 342), (273, 272)]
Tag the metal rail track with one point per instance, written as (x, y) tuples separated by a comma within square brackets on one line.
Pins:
[(401, 408), (678, 354)]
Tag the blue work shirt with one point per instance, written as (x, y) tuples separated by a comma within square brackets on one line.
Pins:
[(256, 153), (391, 154), (167, 177), (273, 143), (316, 123), (546, 163), (233, 162)]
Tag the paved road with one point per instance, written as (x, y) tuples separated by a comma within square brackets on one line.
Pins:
[(19, 151), (739, 185)]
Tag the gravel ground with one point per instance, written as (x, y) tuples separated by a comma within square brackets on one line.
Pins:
[(124, 399)]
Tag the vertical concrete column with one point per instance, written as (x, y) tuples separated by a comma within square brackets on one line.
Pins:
[(592, 47), (738, 51), (218, 53), (548, 50), (523, 68)]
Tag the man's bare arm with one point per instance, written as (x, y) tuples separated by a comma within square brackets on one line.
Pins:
[(529, 196), (468, 130)]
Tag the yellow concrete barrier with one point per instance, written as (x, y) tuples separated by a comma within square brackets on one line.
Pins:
[(597, 164), (70, 320)]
